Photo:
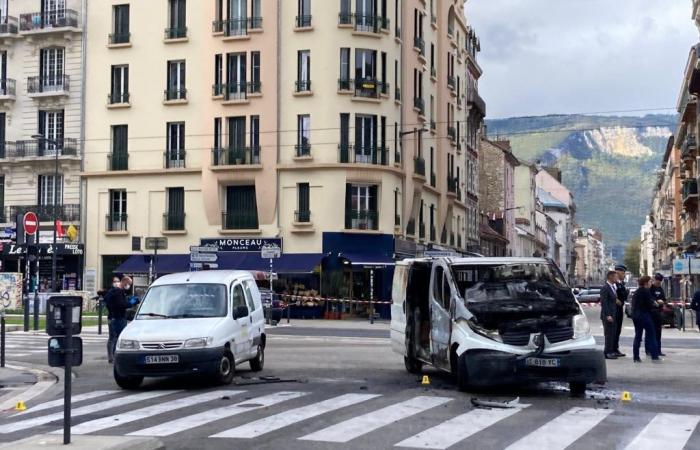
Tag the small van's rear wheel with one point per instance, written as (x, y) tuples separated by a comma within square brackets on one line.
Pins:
[(412, 364), (127, 383), (257, 363), (226, 369)]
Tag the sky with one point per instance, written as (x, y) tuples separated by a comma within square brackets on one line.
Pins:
[(581, 56)]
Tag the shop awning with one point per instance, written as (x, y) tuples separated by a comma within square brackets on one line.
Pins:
[(288, 263), (165, 264), (368, 259)]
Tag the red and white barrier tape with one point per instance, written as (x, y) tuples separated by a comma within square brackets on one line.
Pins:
[(295, 298)]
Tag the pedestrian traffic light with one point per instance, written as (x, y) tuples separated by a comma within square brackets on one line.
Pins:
[(58, 310)]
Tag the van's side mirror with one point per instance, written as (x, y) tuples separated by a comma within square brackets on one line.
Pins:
[(576, 291), (240, 311), (130, 314)]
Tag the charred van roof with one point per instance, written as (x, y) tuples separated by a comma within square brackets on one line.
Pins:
[(483, 260)]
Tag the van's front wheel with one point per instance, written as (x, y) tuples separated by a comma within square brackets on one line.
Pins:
[(127, 383), (226, 369), (257, 363)]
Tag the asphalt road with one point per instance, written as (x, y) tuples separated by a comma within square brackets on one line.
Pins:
[(339, 386)]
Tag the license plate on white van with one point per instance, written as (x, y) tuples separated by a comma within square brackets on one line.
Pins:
[(543, 362), (162, 359)]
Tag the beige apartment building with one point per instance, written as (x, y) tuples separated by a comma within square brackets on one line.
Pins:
[(347, 129), (41, 91)]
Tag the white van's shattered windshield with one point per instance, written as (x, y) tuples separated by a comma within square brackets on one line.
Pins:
[(184, 301)]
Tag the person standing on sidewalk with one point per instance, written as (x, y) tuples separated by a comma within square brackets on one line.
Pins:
[(608, 311), (659, 297), (117, 303), (622, 294), (695, 306), (642, 305)]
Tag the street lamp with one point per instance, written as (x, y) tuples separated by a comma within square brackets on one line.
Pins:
[(57, 145)]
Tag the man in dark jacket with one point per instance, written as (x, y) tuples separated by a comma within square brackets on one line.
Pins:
[(695, 306), (608, 313), (117, 302), (659, 296), (622, 294)]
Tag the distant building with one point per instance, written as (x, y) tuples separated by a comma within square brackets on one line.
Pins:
[(647, 249), (526, 200), (592, 263)]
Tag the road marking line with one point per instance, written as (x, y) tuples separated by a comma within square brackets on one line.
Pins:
[(287, 418), (143, 413), (562, 431), (203, 418), (89, 409), (366, 423), (459, 428), (75, 399), (666, 431)]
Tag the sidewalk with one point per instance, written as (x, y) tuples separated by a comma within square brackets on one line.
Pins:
[(22, 384)]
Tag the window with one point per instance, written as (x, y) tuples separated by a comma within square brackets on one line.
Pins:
[(116, 219), (361, 207), (432, 167), (218, 74), (175, 154), (174, 219), (303, 70), (51, 127), (345, 14), (304, 13), (119, 159), (432, 60), (236, 85), (177, 21), (249, 295), (51, 64), (397, 217), (344, 145), (365, 139), (383, 58), (237, 23), (50, 190), (303, 135), (3, 125), (120, 26), (256, 14), (441, 288), (254, 72), (366, 16), (303, 213), (366, 73), (255, 138), (120, 85), (241, 208), (2, 199), (176, 81), (344, 83), (238, 297)]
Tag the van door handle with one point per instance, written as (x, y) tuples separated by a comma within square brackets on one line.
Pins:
[(403, 306)]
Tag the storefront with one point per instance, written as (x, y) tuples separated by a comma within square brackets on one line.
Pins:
[(37, 259)]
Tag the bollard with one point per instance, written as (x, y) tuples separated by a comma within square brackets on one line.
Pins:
[(36, 311), (99, 315), (25, 305), (288, 309), (2, 340)]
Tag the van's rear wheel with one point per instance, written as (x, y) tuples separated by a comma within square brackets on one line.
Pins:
[(226, 369), (412, 364), (257, 363), (127, 383), (462, 374)]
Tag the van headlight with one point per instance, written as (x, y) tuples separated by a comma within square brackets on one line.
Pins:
[(127, 344), (582, 329), (198, 342), (491, 334)]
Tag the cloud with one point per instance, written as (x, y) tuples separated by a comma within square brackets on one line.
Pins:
[(558, 56)]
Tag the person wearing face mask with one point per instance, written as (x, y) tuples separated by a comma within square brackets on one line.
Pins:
[(117, 303)]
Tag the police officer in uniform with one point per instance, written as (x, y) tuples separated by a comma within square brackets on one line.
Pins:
[(622, 294), (659, 296)]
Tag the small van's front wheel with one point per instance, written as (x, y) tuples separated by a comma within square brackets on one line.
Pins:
[(257, 363), (226, 368), (577, 389), (127, 383)]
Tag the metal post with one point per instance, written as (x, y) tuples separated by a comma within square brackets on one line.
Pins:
[(25, 305), (55, 218), (36, 311), (272, 296), (99, 315), (288, 313), (2, 338), (68, 322), (371, 296)]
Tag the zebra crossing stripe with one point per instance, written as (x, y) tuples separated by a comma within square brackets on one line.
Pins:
[(83, 410), (366, 423), (563, 430), (666, 431), (203, 418), (287, 418), (148, 411), (459, 428), (75, 399)]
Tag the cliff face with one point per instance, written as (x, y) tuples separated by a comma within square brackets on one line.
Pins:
[(607, 162)]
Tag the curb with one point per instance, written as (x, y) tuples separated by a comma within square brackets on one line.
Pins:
[(45, 380)]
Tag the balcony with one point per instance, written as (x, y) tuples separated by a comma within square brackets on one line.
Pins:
[(397, 157), (38, 149), (474, 100), (361, 220), (45, 22), (237, 27), (370, 88), (303, 216), (118, 161), (174, 159), (118, 98), (397, 32), (433, 72), (419, 166), (691, 239), (397, 94), (419, 105), (47, 86), (244, 156), (364, 23), (239, 220), (175, 95), (302, 86), (303, 21), (119, 39), (234, 92), (433, 234), (116, 223), (690, 193), (8, 89), (433, 179), (64, 213), (9, 25), (689, 147), (452, 184), (452, 133), (419, 44), (175, 33), (451, 82), (411, 227), (421, 231), (174, 221), (349, 154), (303, 150), (433, 125)]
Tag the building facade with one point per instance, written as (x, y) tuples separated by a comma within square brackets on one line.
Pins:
[(525, 183), (222, 128)]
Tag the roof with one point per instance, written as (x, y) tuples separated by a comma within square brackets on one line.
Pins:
[(548, 200), (486, 260), (206, 276)]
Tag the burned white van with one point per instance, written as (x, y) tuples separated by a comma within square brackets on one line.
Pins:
[(493, 321)]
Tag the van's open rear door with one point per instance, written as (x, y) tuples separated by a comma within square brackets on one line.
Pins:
[(441, 322)]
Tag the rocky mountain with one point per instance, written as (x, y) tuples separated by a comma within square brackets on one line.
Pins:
[(608, 162)]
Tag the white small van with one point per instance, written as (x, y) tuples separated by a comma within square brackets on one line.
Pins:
[(492, 321), (193, 323)]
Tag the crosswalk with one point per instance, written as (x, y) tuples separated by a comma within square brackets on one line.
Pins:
[(410, 421), (19, 344)]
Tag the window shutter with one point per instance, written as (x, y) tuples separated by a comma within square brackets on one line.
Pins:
[(125, 74), (373, 198)]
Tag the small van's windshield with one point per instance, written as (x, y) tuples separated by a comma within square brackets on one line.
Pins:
[(184, 301)]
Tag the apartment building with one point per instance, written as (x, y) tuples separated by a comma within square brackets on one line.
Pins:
[(41, 92), (245, 121), (526, 199), (591, 263)]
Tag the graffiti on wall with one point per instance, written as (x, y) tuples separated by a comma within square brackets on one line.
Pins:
[(11, 290)]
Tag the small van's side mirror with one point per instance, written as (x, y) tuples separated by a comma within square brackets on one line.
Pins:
[(240, 311), (576, 291)]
